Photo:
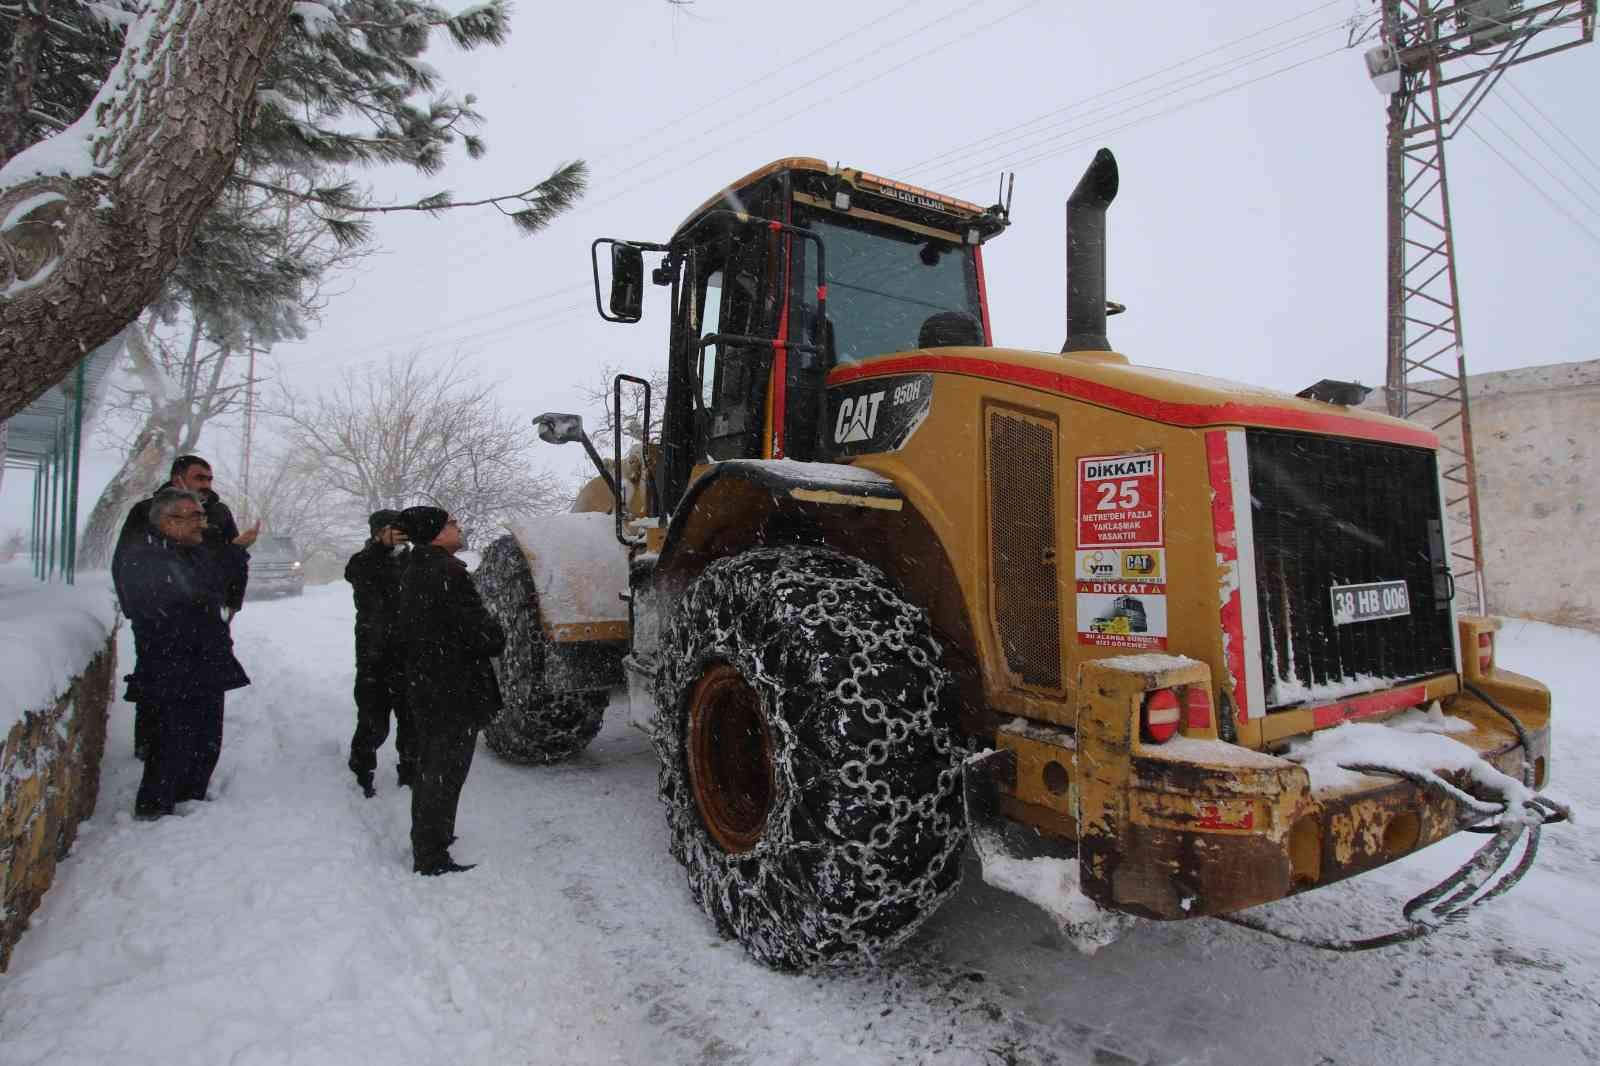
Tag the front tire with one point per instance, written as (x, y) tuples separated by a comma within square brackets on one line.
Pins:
[(811, 784), (536, 726)]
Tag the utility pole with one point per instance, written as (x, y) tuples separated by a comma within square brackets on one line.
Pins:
[(249, 426), (1428, 48)]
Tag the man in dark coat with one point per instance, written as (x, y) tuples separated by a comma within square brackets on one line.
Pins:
[(374, 575), (174, 588), (451, 690), (189, 473)]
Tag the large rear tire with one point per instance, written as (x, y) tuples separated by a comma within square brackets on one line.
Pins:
[(809, 774), (536, 726)]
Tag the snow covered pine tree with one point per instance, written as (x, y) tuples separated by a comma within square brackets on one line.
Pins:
[(111, 202), (94, 218)]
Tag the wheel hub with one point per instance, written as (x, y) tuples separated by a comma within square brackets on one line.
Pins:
[(730, 758)]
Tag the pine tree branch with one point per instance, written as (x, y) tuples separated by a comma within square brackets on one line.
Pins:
[(27, 43), (541, 202)]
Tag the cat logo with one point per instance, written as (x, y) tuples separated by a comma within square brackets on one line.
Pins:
[(858, 418)]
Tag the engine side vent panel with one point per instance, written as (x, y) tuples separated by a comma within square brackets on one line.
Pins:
[(1024, 593)]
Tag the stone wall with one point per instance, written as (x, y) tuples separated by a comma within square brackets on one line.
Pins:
[(1534, 440), (50, 770)]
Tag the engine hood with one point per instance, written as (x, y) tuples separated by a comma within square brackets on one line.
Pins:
[(1174, 397)]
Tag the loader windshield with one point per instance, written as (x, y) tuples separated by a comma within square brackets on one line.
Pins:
[(889, 290)]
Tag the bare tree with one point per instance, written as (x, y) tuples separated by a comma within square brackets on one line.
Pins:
[(601, 396), (288, 495), (403, 433)]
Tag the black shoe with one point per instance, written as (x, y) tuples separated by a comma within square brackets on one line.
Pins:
[(449, 866), (365, 781), (149, 816)]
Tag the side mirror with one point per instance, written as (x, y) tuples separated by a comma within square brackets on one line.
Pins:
[(559, 429), (627, 277), (627, 282)]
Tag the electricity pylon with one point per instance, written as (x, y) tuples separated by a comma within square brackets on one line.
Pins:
[(1427, 49)]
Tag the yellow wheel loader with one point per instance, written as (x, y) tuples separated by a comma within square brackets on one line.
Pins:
[(882, 587)]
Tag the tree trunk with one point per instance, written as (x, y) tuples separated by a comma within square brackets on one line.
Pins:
[(140, 473), (93, 219)]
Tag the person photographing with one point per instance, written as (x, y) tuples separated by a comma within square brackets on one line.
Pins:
[(374, 574)]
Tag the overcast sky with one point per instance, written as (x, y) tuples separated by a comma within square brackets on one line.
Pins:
[(1247, 239)]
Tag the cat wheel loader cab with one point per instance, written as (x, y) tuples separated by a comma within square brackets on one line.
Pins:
[(891, 586)]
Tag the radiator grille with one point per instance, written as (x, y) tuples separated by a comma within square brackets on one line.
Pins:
[(1332, 512), (1023, 469)]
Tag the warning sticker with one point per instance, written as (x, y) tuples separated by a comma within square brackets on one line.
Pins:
[(1110, 564), (1136, 618), (1119, 501)]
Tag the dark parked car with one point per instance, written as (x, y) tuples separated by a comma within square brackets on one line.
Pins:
[(276, 567)]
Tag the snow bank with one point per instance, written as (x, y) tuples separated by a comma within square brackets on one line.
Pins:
[(48, 634)]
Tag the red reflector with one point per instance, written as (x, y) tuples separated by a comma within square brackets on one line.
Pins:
[(1196, 707), (1161, 715), (1485, 652)]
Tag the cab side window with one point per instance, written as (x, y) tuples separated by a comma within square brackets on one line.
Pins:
[(710, 322)]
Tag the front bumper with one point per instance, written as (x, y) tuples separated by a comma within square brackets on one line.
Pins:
[(1200, 827)]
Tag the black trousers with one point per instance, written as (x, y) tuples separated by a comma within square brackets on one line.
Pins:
[(185, 744), (381, 692), (446, 749), (144, 727)]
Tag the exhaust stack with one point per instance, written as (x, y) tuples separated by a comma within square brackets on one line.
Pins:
[(1086, 255)]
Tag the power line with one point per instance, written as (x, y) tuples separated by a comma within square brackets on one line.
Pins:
[(764, 76), (1535, 184), (962, 38), (479, 224), (971, 145), (965, 174), (398, 339), (1545, 141), (1554, 125), (1020, 164), (591, 204), (1105, 112)]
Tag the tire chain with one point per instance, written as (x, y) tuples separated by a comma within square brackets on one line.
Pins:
[(851, 601), (535, 726)]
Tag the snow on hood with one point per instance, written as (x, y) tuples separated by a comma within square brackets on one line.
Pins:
[(578, 566)]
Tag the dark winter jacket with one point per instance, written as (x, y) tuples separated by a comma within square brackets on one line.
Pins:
[(173, 595), (448, 638), (221, 530), (374, 574)]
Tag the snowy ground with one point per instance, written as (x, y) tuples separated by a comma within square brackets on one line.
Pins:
[(280, 924)]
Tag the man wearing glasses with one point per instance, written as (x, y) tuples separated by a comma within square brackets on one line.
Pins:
[(451, 691), (189, 473), (174, 587)]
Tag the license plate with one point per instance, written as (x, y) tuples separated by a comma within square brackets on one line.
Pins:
[(1369, 602)]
